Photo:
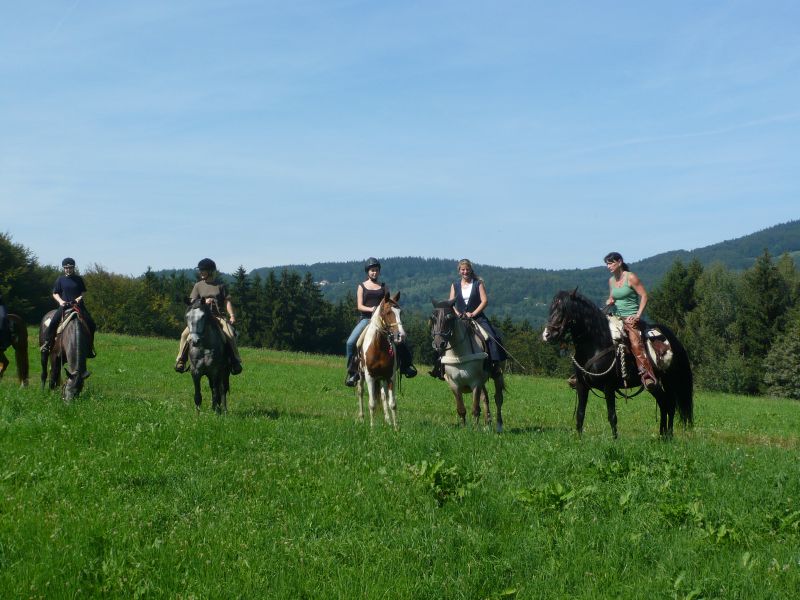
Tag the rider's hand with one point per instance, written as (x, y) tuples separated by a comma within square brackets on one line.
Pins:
[(232, 319)]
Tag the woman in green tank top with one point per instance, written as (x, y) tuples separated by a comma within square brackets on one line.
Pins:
[(629, 297)]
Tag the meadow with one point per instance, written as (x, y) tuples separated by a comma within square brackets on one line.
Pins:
[(128, 492)]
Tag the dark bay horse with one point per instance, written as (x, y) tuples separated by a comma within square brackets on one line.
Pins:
[(378, 360), (71, 349), (208, 355), (465, 363), (601, 365), (18, 340)]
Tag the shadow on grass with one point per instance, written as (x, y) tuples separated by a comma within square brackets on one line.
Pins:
[(256, 413)]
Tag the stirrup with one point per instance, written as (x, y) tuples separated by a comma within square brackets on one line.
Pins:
[(180, 366), (410, 371), (352, 379), (572, 381), (236, 366)]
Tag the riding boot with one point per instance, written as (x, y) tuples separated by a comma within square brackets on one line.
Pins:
[(438, 369), (180, 363), (649, 380), (352, 372)]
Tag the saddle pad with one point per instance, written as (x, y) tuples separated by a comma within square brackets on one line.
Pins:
[(457, 360), (64, 321)]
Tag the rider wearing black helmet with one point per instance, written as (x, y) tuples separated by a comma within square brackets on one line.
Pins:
[(368, 296), (68, 290), (214, 293)]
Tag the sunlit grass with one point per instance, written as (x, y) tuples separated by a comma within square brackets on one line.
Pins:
[(129, 492)]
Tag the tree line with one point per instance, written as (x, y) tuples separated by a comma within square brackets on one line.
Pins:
[(741, 328)]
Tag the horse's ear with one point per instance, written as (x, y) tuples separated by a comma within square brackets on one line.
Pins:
[(574, 292), (187, 301), (396, 298), (386, 295), (451, 303), (433, 302)]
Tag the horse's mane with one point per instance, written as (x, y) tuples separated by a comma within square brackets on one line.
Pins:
[(581, 309)]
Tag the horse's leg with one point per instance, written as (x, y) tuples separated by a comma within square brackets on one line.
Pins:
[(222, 402), (477, 393), (198, 395), (392, 404), (55, 370), (487, 415), (461, 410), (3, 363), (213, 385), (44, 357), (360, 398), (580, 410), (499, 386), (372, 388), (611, 410), (666, 405)]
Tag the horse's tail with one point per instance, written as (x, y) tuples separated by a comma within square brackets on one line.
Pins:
[(678, 379), (21, 348)]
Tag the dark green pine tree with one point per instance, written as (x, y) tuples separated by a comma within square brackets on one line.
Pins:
[(674, 298), (242, 292), (782, 364), (764, 300)]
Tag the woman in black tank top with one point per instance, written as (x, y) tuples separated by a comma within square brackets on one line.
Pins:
[(368, 296)]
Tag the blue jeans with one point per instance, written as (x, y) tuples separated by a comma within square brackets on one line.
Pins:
[(350, 347)]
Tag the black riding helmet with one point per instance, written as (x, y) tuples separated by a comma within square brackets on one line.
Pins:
[(372, 262), (207, 264), (68, 262)]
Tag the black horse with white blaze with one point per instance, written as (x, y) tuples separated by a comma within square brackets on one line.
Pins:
[(603, 365)]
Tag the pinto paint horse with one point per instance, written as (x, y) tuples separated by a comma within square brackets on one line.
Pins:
[(601, 365), (18, 340), (71, 349), (208, 356), (378, 360), (465, 363)]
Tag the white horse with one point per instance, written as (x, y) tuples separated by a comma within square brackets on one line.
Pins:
[(465, 364), (378, 360)]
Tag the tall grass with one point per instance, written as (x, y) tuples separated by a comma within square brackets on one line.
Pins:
[(128, 492)]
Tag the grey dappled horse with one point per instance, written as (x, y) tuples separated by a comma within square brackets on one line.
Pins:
[(71, 349), (208, 355), (465, 363)]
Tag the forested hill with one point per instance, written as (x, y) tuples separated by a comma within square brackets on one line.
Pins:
[(526, 293)]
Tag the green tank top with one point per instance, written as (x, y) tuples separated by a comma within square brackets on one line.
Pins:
[(626, 300)]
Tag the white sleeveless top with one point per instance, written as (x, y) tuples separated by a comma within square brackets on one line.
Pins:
[(466, 292)]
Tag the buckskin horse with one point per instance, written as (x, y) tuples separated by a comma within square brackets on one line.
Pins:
[(71, 349), (378, 360), (18, 340), (208, 355), (602, 365), (465, 363)]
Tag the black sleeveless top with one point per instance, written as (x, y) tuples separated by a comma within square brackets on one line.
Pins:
[(474, 297), (371, 298)]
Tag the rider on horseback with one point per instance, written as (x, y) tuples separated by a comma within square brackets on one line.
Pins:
[(213, 293), (471, 300), (68, 291), (368, 296), (629, 297)]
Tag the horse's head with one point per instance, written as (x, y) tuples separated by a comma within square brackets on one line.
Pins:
[(558, 320), (389, 314), (196, 320), (73, 384), (442, 322)]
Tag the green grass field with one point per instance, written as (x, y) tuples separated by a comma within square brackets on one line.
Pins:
[(129, 493)]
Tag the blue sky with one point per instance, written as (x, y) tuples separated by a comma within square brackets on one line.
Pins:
[(260, 133)]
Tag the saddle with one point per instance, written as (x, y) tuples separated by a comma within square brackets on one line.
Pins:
[(656, 343)]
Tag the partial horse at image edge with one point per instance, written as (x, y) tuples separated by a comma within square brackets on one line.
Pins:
[(19, 342)]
